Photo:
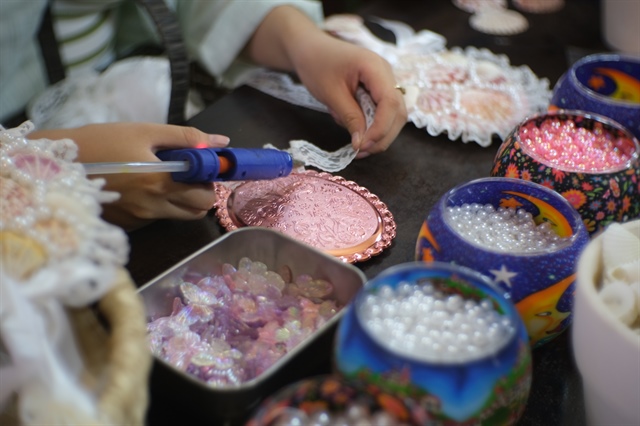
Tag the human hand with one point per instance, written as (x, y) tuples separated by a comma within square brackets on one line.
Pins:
[(144, 197), (332, 70), (334, 73)]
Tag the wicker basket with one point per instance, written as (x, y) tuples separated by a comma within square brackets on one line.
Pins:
[(116, 356)]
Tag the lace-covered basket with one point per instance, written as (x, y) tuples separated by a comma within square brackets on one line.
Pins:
[(73, 344)]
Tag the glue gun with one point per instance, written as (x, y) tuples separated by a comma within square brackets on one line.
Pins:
[(208, 164)]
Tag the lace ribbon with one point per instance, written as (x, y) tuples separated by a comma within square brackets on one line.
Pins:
[(283, 87)]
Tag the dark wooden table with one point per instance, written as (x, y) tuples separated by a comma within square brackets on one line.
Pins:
[(410, 177)]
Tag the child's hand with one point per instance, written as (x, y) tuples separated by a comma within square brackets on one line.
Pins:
[(144, 197), (332, 70)]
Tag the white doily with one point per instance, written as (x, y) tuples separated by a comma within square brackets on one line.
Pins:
[(470, 94), (56, 252)]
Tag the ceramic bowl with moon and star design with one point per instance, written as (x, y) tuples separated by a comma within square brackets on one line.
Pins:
[(441, 341), (523, 236), (603, 83)]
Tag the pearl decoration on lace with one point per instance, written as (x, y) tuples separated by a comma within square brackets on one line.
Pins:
[(502, 229), (44, 173), (421, 322)]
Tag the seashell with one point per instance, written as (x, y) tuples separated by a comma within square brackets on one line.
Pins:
[(20, 256), (62, 235), (620, 245), (456, 59), (490, 72), (486, 104), (36, 166), (16, 199), (499, 21), (435, 100), (621, 301), (472, 6)]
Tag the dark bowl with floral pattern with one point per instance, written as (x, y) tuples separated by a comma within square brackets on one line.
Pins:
[(602, 184)]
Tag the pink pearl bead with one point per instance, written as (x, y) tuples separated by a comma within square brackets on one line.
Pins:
[(561, 144)]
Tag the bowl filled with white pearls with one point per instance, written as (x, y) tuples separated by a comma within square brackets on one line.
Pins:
[(441, 339), (606, 330), (523, 236)]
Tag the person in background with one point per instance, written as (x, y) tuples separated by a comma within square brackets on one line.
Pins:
[(227, 38)]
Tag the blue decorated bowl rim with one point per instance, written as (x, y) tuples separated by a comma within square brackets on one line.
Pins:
[(577, 225), (469, 276), (603, 57)]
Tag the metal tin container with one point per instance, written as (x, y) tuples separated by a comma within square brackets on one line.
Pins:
[(194, 399)]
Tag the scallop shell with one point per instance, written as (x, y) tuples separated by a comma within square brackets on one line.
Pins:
[(20, 256), (475, 5), (497, 21), (620, 246), (61, 234), (487, 105), (36, 166), (16, 199), (489, 72)]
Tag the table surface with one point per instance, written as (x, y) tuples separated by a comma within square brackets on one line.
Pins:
[(409, 177)]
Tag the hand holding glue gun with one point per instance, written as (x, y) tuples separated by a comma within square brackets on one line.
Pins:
[(149, 196), (208, 164)]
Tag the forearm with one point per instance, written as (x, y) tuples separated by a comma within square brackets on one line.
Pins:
[(283, 38)]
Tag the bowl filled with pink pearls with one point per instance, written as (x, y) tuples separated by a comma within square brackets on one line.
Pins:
[(524, 237), (242, 317), (591, 160)]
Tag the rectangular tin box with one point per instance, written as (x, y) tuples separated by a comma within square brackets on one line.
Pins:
[(192, 400)]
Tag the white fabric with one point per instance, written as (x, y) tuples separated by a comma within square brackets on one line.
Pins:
[(76, 257), (223, 25)]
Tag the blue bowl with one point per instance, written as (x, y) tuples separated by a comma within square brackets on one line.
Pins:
[(540, 283), (606, 84), (491, 387)]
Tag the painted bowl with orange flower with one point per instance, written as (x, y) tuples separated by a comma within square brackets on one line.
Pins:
[(438, 344), (589, 159), (524, 237)]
